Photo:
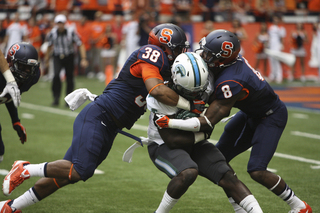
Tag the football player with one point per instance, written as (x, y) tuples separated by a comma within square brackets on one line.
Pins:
[(22, 59), (119, 106), (259, 123), (190, 79), (11, 86)]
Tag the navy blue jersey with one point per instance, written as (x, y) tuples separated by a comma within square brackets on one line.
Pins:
[(23, 87), (241, 76), (125, 97)]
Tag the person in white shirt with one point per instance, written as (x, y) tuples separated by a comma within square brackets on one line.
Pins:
[(276, 35), (16, 32)]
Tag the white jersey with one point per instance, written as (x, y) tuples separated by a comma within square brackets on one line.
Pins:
[(155, 106), (276, 33), (15, 33)]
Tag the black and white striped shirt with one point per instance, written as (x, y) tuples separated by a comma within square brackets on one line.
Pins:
[(63, 42)]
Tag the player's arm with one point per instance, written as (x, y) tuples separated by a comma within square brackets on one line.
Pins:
[(156, 88), (217, 110), (17, 126), (11, 87)]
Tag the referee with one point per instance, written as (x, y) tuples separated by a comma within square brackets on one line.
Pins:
[(61, 40)]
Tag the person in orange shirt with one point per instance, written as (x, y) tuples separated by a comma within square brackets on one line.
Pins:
[(83, 27), (60, 5), (97, 28), (34, 34), (314, 5)]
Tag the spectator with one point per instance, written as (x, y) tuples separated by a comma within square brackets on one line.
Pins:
[(225, 9), (131, 37), (108, 53), (317, 30), (299, 38), (117, 25), (96, 32), (240, 32), (279, 8), (16, 32), (207, 8), (60, 5), (262, 10), (276, 35), (240, 10), (34, 34), (260, 42), (60, 44), (208, 27), (166, 10), (83, 27), (37, 6), (144, 29), (314, 6), (314, 61), (182, 9)]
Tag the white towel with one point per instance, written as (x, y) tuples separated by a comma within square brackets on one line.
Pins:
[(78, 97)]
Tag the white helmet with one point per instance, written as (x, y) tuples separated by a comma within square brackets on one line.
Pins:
[(189, 75)]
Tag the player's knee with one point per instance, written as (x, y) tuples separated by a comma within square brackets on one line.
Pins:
[(257, 176), (188, 176), (229, 180)]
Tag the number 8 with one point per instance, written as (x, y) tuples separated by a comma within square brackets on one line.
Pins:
[(226, 91)]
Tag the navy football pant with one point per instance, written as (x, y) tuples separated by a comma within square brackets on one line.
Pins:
[(262, 134), (93, 134)]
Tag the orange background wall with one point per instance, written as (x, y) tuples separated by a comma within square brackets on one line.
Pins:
[(252, 30)]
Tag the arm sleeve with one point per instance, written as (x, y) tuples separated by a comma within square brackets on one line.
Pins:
[(191, 124), (13, 111), (147, 71)]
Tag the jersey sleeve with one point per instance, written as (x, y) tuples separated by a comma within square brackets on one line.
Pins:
[(158, 107), (153, 55), (227, 89), (144, 70)]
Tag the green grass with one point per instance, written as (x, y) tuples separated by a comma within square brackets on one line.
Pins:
[(138, 187)]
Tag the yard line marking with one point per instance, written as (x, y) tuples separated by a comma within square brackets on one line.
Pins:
[(144, 128), (305, 134), (300, 116), (49, 109)]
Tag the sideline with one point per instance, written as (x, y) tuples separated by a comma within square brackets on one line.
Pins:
[(145, 128)]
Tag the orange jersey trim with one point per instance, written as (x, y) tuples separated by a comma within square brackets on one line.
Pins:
[(155, 87), (144, 70)]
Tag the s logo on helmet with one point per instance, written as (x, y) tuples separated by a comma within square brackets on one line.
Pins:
[(14, 49), (166, 35), (227, 47)]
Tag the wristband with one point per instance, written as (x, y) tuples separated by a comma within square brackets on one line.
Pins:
[(8, 76), (199, 136), (183, 103), (191, 124), (208, 122)]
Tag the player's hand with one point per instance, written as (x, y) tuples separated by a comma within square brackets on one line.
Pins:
[(161, 121), (13, 89), (21, 131), (208, 134), (197, 106)]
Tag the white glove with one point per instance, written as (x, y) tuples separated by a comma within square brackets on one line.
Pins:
[(78, 97), (127, 155), (13, 89)]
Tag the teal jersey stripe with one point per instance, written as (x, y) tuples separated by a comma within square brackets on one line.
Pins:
[(196, 71)]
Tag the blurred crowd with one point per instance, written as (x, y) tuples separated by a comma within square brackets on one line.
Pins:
[(112, 29)]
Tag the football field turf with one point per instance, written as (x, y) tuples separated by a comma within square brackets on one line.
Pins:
[(138, 187)]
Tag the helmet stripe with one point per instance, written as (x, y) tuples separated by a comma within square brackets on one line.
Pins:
[(196, 71)]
